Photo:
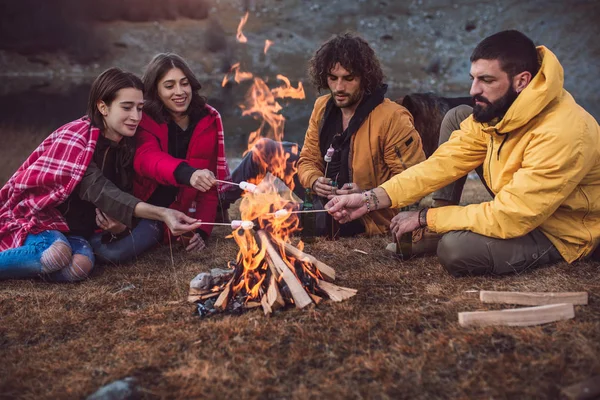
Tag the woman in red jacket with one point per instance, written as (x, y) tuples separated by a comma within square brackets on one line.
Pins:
[(180, 145)]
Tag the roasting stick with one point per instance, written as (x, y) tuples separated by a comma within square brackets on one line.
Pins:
[(247, 186), (283, 213), (236, 223), (328, 158)]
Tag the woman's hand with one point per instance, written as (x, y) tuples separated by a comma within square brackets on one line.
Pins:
[(109, 224), (202, 180), (177, 222), (196, 243), (347, 208)]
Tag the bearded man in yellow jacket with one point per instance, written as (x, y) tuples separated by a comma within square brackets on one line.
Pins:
[(356, 139), (540, 153)]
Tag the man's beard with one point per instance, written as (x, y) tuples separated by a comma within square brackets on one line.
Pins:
[(496, 109), (348, 101)]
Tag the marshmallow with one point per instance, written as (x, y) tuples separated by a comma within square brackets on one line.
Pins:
[(282, 213), (329, 155), (245, 225), (249, 187)]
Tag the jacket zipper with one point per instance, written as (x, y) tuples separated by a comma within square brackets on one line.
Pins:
[(491, 155)]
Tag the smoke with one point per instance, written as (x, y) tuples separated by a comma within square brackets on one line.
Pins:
[(30, 27)]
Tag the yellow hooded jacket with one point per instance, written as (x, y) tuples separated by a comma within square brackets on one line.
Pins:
[(385, 145), (542, 161)]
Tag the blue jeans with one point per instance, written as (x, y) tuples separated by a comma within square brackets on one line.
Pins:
[(26, 261), (142, 238)]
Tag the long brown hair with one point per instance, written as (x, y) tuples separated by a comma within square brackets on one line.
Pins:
[(155, 71), (105, 88)]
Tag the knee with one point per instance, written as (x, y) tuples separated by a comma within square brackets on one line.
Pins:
[(80, 268), (459, 255), (56, 257), (454, 117)]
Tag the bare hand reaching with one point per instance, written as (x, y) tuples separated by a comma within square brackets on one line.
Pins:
[(178, 222), (202, 180), (109, 224), (347, 208)]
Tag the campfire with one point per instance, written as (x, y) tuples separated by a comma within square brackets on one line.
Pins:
[(269, 271)]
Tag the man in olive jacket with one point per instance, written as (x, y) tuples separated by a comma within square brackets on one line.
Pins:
[(540, 153), (369, 138)]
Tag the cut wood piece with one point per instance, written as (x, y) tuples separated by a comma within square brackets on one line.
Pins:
[(265, 305), (273, 295), (589, 389), (336, 293), (533, 298), (518, 317), (316, 299), (327, 272), (223, 298), (252, 304), (301, 298), (192, 298)]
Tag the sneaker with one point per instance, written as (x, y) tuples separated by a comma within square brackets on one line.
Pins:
[(425, 241)]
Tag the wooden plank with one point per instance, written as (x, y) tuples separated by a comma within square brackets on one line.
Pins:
[(301, 298), (316, 299), (223, 298), (273, 295), (533, 298), (586, 390), (265, 305), (327, 272), (336, 293), (192, 298), (518, 317)]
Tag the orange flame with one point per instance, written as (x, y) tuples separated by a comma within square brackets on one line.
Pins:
[(240, 35), (268, 43), (238, 76)]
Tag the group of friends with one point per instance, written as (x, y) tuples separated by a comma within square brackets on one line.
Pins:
[(141, 167)]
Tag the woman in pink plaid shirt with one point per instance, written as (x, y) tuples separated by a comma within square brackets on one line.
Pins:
[(75, 182)]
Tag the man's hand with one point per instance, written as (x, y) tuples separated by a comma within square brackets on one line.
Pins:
[(178, 222), (347, 208), (348, 188), (109, 224), (196, 243), (202, 180), (406, 221), (322, 187)]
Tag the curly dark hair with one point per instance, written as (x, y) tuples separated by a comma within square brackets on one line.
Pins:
[(354, 54)]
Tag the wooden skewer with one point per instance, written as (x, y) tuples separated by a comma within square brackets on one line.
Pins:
[(300, 212), (228, 182)]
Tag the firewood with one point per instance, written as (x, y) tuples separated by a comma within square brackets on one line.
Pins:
[(518, 317), (336, 293), (252, 304), (273, 295), (199, 292), (265, 305), (533, 298), (589, 389), (316, 299), (223, 298), (327, 272), (301, 298), (192, 298)]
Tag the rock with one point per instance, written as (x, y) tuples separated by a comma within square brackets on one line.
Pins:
[(124, 389), (391, 247), (202, 281)]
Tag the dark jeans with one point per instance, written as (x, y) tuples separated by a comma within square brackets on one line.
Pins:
[(468, 253)]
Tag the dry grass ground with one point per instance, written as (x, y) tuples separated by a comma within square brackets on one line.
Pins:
[(397, 338)]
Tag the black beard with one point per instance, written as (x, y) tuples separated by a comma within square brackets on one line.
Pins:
[(496, 109)]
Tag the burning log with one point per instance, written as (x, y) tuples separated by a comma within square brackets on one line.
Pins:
[(301, 298), (223, 298), (327, 272)]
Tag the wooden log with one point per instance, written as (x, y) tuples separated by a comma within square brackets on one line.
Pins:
[(192, 298), (533, 298), (588, 389), (336, 293), (273, 295), (327, 272), (301, 298), (316, 299), (265, 305), (252, 304), (223, 298), (518, 317)]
